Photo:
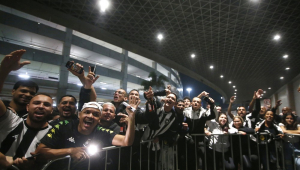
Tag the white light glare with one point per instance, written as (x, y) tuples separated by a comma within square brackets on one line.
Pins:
[(193, 55), (103, 88), (229, 82), (234, 93), (104, 4), (79, 84), (99, 64), (233, 86), (24, 76), (285, 56), (287, 68), (34, 46), (265, 92), (160, 36), (221, 76), (180, 89), (281, 78), (92, 149), (211, 67), (277, 37), (221, 97), (73, 56), (189, 89), (102, 82), (235, 90), (269, 88)]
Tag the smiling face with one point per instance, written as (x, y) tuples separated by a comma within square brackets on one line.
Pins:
[(67, 107), (237, 123), (269, 116), (170, 100), (88, 120), (196, 103), (120, 96), (187, 103), (23, 95), (108, 113), (179, 107), (222, 119), (39, 108), (135, 94)]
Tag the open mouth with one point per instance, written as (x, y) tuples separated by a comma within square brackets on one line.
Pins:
[(66, 111), (88, 123), (39, 114)]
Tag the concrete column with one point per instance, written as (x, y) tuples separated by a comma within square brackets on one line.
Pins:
[(290, 96), (64, 73), (123, 82), (154, 65)]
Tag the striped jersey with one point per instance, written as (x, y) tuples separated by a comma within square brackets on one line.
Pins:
[(16, 137)]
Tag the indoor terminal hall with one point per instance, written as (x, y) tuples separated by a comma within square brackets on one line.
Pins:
[(149, 85)]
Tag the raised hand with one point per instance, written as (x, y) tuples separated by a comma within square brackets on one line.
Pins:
[(149, 94), (278, 103), (12, 62), (124, 118), (211, 100), (232, 99), (90, 79), (204, 93), (134, 102), (75, 73), (257, 94), (168, 90)]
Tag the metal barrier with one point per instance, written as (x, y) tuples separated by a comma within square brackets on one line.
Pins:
[(259, 151)]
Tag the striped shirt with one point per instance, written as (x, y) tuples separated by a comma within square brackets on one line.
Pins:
[(16, 137)]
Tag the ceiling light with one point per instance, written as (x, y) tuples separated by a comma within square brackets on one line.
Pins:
[(99, 64), (79, 84), (34, 46), (138, 76), (235, 96), (221, 97), (103, 4), (229, 82), (39, 23), (233, 86), (281, 78), (269, 88), (265, 92), (211, 67), (287, 68), (103, 88), (24, 76), (221, 76), (73, 56), (235, 90), (193, 55), (160, 36), (102, 83), (277, 37), (234, 93), (285, 56)]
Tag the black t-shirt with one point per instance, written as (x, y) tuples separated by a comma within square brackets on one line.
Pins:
[(65, 135)]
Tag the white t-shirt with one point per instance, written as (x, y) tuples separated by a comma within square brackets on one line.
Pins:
[(219, 142)]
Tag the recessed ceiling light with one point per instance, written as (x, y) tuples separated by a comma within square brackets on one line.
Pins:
[(138, 76), (103, 4), (160, 36), (221, 97), (287, 68), (269, 88), (265, 92), (99, 64), (193, 55), (24, 76), (221, 76), (285, 56), (235, 90), (211, 67), (103, 88), (233, 86), (39, 23), (234, 93), (281, 78), (102, 83), (73, 56), (276, 37), (34, 46), (79, 84), (235, 96), (229, 82)]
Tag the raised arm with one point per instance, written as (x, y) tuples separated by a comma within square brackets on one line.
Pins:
[(10, 62), (256, 97), (127, 140), (232, 99)]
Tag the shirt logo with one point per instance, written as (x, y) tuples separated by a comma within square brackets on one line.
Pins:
[(71, 139)]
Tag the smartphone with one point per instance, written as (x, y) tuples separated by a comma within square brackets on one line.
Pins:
[(93, 69), (71, 65)]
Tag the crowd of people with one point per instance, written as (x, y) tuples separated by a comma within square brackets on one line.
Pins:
[(32, 132)]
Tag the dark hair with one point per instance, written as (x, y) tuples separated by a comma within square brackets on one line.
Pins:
[(187, 98), (226, 124), (175, 96), (125, 94), (180, 100), (26, 83), (134, 90), (294, 125), (67, 96)]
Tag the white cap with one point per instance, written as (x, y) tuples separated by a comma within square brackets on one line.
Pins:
[(92, 105)]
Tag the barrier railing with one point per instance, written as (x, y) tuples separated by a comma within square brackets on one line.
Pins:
[(217, 151)]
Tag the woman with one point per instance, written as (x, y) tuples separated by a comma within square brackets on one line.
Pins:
[(241, 143), (290, 126), (273, 130), (219, 143)]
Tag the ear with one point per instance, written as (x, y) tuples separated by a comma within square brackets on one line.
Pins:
[(13, 91), (27, 106), (125, 99)]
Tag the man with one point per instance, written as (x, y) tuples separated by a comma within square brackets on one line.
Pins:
[(285, 110), (187, 102), (198, 116), (20, 137), (23, 90), (107, 118), (70, 137)]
